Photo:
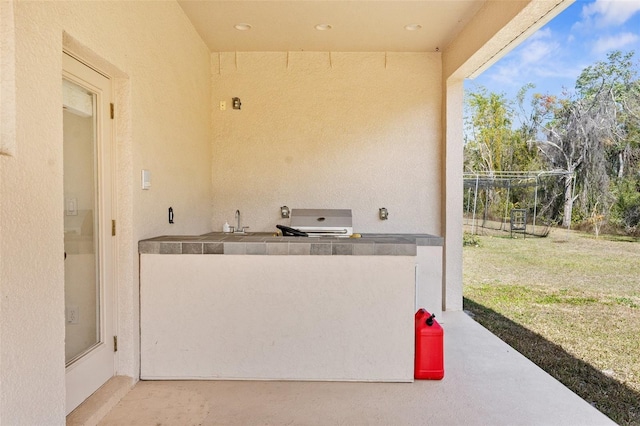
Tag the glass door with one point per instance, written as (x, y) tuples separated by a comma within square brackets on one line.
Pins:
[(89, 355)]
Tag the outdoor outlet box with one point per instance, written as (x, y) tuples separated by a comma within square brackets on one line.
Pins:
[(73, 312)]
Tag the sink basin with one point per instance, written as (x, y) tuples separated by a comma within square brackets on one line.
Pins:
[(242, 234)]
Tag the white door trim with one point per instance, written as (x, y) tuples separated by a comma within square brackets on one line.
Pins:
[(91, 371)]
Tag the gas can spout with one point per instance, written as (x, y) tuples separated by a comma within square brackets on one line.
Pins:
[(429, 321)]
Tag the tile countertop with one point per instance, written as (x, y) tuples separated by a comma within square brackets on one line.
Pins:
[(269, 243)]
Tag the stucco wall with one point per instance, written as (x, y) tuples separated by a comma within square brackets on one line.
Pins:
[(7, 78), (328, 130), (162, 70)]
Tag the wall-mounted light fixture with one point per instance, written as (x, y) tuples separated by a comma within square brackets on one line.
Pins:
[(384, 214), (236, 103)]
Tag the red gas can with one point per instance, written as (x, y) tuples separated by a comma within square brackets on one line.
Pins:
[(429, 361)]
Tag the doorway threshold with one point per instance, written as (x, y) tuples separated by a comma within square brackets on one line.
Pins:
[(98, 405)]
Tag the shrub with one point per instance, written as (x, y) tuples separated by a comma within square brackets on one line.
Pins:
[(625, 212), (469, 239)]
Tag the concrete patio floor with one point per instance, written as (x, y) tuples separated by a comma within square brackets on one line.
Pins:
[(486, 383)]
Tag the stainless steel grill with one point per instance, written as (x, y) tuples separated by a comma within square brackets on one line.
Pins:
[(323, 222)]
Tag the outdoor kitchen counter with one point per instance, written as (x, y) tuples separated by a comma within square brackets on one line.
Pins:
[(343, 312), (264, 243)]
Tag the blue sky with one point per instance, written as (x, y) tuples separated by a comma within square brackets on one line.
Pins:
[(554, 56)]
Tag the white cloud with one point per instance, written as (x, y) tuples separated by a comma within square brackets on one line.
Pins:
[(610, 12), (537, 58), (544, 33), (608, 43), (536, 51), (506, 75)]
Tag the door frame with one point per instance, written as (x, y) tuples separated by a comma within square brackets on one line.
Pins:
[(92, 370)]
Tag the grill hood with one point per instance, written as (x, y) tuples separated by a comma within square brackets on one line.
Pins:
[(323, 222)]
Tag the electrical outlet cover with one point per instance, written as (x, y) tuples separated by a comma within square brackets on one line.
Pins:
[(73, 314)]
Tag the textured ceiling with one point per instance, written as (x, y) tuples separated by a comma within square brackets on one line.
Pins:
[(356, 25)]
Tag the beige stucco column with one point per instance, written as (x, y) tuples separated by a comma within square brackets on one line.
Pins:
[(452, 195)]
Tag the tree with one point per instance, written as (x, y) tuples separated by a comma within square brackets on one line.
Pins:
[(588, 127), (593, 134), (492, 144), (489, 120), (616, 79), (574, 144)]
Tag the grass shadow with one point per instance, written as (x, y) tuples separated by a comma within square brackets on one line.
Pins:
[(614, 399)]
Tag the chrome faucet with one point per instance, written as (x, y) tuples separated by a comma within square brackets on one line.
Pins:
[(238, 228)]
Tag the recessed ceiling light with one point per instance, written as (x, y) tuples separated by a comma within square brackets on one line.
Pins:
[(323, 27), (412, 27), (242, 27)]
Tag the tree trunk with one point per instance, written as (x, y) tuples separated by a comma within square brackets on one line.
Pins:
[(620, 164), (486, 208), (568, 200)]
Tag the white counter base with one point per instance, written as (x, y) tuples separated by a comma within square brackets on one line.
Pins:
[(342, 318)]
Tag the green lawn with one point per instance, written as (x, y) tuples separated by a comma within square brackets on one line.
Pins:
[(568, 302)]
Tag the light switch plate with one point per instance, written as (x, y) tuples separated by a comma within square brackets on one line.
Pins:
[(71, 207), (146, 179)]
